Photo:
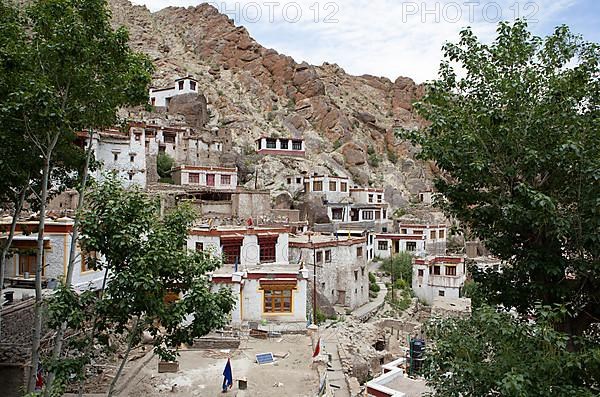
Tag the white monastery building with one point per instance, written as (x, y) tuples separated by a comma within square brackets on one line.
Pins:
[(161, 96), (438, 276)]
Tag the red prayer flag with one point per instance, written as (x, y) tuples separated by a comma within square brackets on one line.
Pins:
[(317, 348)]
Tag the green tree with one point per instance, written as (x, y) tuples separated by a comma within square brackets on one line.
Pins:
[(518, 142), (164, 164), (516, 137), (72, 72), (145, 260), (496, 354), (399, 267)]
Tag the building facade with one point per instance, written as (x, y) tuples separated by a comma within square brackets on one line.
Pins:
[(161, 96), (438, 277), (218, 178), (281, 146), (340, 263), (21, 266)]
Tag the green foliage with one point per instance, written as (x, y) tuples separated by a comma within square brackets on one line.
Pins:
[(164, 164), (337, 144), (471, 289), (518, 139), (497, 354), (399, 267), (147, 261), (372, 278)]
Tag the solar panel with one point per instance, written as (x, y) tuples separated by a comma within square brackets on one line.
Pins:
[(264, 358)]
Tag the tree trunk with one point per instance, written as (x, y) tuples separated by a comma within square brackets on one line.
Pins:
[(90, 341), (58, 340), (18, 206), (132, 335), (37, 320)]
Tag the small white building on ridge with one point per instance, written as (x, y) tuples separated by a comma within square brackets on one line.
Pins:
[(161, 96)]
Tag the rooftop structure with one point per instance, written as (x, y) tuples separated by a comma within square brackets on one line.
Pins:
[(281, 146), (161, 96)]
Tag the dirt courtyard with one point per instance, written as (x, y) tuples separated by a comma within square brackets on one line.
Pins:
[(201, 371)]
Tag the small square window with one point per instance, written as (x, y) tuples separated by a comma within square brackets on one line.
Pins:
[(441, 293), (420, 273)]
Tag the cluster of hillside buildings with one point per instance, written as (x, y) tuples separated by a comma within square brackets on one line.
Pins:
[(273, 260)]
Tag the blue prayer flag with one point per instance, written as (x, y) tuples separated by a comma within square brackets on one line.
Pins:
[(228, 381)]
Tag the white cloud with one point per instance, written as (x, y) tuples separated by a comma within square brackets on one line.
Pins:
[(381, 37)]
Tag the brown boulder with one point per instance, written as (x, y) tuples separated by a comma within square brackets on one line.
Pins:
[(192, 106), (353, 154)]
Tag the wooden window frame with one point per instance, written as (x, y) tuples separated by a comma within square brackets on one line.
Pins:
[(275, 298)]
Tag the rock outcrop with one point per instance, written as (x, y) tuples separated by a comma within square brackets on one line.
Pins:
[(347, 121)]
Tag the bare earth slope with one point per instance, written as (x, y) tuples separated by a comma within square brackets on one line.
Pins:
[(347, 121)]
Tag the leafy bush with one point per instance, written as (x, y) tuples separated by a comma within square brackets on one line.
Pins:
[(164, 164), (399, 267)]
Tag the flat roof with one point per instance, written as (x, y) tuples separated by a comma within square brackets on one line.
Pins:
[(323, 240)]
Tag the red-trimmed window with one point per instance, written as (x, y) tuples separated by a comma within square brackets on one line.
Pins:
[(278, 299), (267, 249), (194, 178), (231, 250)]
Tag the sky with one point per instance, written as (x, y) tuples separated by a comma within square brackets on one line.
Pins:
[(389, 38)]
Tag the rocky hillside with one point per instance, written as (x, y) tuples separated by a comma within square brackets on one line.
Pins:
[(347, 121)]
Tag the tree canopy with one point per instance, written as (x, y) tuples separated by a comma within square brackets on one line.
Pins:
[(517, 139), (514, 128)]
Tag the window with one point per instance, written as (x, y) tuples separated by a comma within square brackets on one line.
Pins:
[(411, 246), (194, 178), (337, 214), (306, 187), (343, 187), (271, 144), (284, 144), (231, 251), (362, 271), (441, 293), (404, 231), (27, 263), (131, 158), (88, 261), (278, 300), (377, 215), (137, 136), (169, 138), (181, 85), (193, 85), (319, 256), (382, 245), (417, 232), (436, 270), (259, 142), (225, 179), (328, 256), (432, 235), (356, 275), (267, 249), (153, 101), (298, 181), (210, 179), (332, 186), (115, 156), (370, 198), (379, 198), (289, 181), (367, 215), (420, 273), (130, 176), (450, 270), (317, 186), (296, 145), (384, 216), (441, 234), (199, 246), (359, 252)]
